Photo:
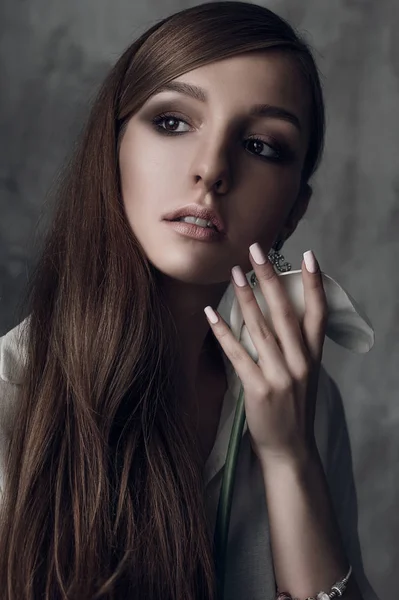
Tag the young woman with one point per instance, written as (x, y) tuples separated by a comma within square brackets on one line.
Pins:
[(117, 393)]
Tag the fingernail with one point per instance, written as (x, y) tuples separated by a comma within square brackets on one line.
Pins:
[(257, 254), (239, 276), (310, 261), (210, 313)]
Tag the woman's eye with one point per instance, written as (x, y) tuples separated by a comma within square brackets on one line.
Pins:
[(263, 149), (169, 121), (168, 124)]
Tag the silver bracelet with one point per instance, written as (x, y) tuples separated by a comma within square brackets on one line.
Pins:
[(337, 590)]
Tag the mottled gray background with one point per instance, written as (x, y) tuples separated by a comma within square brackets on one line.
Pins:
[(54, 55)]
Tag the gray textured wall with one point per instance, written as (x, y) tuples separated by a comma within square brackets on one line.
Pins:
[(53, 56)]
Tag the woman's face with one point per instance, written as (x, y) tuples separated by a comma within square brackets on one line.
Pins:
[(246, 167)]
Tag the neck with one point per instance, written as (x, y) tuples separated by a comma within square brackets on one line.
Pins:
[(200, 351)]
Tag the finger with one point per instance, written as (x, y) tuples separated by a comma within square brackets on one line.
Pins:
[(246, 369), (316, 308), (285, 320), (271, 359)]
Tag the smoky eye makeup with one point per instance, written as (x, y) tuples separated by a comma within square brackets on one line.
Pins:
[(155, 108), (159, 111)]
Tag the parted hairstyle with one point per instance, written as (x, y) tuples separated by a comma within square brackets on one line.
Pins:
[(104, 495)]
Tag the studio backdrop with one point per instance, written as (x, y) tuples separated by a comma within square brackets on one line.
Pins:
[(54, 55)]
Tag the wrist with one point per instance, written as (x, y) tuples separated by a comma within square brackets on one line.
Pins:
[(300, 461)]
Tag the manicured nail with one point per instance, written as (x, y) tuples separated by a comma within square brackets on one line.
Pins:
[(239, 276), (310, 261), (257, 254), (210, 313)]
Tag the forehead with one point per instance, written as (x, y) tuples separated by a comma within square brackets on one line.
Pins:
[(267, 77)]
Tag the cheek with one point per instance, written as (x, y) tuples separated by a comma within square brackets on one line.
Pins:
[(151, 176), (268, 199), (261, 211)]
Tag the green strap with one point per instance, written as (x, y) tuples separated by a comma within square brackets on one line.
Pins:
[(226, 494)]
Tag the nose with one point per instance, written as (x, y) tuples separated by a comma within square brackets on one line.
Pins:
[(211, 169)]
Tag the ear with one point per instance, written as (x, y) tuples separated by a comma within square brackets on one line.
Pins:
[(298, 210)]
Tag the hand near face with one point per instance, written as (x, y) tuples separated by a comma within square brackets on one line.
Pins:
[(281, 388)]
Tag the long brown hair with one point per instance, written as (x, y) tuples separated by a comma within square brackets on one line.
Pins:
[(104, 495)]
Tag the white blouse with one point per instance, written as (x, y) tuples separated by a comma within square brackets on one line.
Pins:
[(249, 562)]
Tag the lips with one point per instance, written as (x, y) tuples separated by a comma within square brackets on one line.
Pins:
[(211, 226), (200, 212), (190, 230)]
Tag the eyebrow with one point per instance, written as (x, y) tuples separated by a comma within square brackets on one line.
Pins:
[(258, 110)]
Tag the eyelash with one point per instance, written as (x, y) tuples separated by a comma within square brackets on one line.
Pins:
[(281, 154)]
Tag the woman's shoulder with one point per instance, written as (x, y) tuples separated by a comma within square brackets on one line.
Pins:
[(13, 353), (12, 364)]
